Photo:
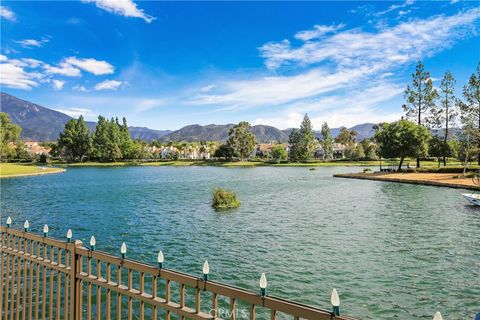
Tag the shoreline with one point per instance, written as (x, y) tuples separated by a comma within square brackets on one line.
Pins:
[(39, 173), (428, 179)]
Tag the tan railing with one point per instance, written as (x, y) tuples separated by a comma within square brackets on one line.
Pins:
[(45, 278)]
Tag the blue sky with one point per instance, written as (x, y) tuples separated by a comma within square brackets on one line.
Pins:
[(164, 65)]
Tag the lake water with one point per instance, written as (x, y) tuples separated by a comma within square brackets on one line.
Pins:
[(393, 251)]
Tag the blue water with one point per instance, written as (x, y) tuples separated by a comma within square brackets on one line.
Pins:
[(393, 251)]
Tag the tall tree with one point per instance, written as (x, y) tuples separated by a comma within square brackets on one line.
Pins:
[(9, 137), (420, 97), (241, 139), (126, 144), (470, 107), (100, 139), (402, 139), (307, 141), (294, 140), (327, 142), (448, 111), (75, 140)]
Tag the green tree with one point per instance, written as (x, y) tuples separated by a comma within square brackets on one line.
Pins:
[(126, 144), (294, 140), (241, 139), (224, 151), (402, 139), (470, 108), (75, 140), (307, 141), (114, 140), (444, 115), (279, 153), (370, 149), (354, 151), (100, 139), (438, 148), (327, 142), (9, 137), (346, 136), (420, 97)]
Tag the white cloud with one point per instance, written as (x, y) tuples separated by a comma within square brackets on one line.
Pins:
[(57, 84), (108, 85), (16, 77), (30, 43), (80, 88), (97, 67), (334, 76), (126, 8), (338, 110), (317, 32), (3, 58), (207, 88), (63, 69), (6, 13), (392, 45), (77, 112)]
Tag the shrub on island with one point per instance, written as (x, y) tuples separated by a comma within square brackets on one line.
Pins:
[(224, 199)]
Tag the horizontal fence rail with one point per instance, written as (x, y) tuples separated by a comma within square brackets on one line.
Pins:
[(44, 278)]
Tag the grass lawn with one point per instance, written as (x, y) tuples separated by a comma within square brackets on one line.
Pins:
[(13, 169)]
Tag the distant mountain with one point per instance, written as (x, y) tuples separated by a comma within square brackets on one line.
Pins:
[(37, 122), (213, 132), (364, 131), (42, 124)]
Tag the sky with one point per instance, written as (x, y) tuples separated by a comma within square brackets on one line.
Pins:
[(164, 65)]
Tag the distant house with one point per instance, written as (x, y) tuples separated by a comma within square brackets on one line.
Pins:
[(34, 149), (338, 151)]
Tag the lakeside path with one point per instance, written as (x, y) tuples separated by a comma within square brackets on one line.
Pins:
[(10, 170), (430, 179)]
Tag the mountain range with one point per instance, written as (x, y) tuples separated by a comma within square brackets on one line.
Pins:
[(43, 124)]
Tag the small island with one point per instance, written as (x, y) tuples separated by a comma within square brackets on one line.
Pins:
[(224, 199)]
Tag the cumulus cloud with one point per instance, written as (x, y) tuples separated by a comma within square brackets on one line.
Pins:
[(126, 8), (108, 85), (14, 76), (57, 84), (392, 45), (96, 67), (7, 14), (63, 69), (30, 43)]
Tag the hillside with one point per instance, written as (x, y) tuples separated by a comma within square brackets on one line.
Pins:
[(43, 124)]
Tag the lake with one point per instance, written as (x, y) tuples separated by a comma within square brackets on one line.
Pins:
[(391, 250)]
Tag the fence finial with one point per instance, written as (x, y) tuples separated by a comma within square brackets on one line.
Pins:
[(123, 250), (263, 285), (69, 235), (160, 259), (206, 270), (9, 222), (26, 225), (437, 316), (45, 230), (335, 299), (93, 242)]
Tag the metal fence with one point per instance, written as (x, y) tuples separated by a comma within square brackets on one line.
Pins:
[(44, 278)]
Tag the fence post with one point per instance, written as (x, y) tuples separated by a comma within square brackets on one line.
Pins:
[(74, 298)]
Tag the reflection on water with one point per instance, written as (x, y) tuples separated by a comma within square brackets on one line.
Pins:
[(391, 250)]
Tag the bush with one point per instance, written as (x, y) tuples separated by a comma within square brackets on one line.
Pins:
[(223, 199)]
